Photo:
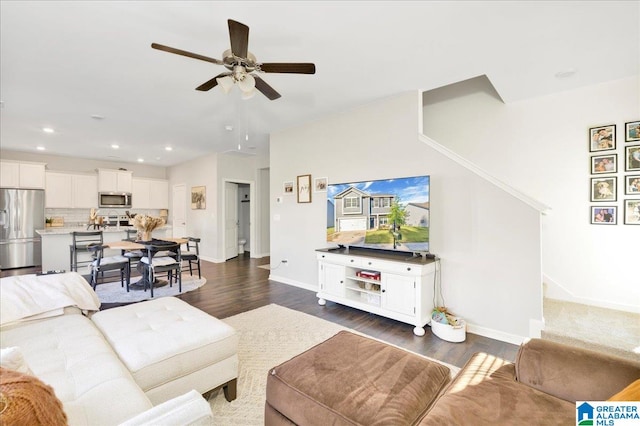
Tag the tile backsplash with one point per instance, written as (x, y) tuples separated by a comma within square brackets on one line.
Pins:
[(80, 217)]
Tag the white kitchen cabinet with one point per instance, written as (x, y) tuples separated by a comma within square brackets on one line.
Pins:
[(22, 175), (85, 191), (150, 193), (58, 191), (67, 190), (397, 286), (114, 180)]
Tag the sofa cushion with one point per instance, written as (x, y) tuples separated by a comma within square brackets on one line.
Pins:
[(12, 359), (28, 401), (351, 379), (71, 355), (485, 392)]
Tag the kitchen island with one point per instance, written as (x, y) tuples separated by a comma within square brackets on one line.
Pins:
[(56, 242)]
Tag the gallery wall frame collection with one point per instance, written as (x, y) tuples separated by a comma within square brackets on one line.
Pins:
[(605, 171)]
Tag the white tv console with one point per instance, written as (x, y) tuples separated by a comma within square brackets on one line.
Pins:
[(401, 290)]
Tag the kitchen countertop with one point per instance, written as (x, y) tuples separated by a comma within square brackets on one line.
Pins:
[(70, 229)]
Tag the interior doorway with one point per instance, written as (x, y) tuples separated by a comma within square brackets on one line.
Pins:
[(239, 214), (179, 210)]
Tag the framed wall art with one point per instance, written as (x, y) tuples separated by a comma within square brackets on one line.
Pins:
[(304, 188), (632, 157), (632, 212), (605, 215), (287, 188), (320, 184), (604, 189), (602, 138), (632, 131), (604, 164), (198, 197), (632, 184)]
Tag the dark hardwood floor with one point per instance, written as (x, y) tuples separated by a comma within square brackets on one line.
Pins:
[(238, 285)]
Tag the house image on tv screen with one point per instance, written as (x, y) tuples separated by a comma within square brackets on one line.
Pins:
[(384, 214)]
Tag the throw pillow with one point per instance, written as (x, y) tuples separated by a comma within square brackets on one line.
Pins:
[(12, 359), (630, 393), (28, 401)]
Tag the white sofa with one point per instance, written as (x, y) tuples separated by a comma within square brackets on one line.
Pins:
[(65, 349)]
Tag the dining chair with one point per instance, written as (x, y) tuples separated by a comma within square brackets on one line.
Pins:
[(134, 256), (80, 242), (101, 263), (192, 254), (157, 263)]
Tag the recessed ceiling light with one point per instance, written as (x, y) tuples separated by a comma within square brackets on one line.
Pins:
[(228, 128), (140, 160), (566, 73), (115, 146), (48, 130), (168, 148), (97, 117), (40, 148)]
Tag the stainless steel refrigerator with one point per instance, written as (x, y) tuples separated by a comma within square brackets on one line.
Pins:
[(21, 213)]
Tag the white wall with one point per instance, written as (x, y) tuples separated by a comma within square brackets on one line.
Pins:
[(540, 146), (488, 240)]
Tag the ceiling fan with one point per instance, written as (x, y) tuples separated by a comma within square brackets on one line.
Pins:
[(242, 65)]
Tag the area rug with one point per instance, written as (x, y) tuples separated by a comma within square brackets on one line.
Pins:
[(112, 292), (268, 336)]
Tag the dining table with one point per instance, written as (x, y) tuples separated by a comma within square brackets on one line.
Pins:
[(126, 245)]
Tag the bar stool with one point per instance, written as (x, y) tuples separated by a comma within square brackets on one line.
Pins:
[(80, 244)]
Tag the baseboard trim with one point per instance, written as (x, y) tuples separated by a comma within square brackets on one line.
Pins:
[(495, 334), (555, 290), (293, 283)]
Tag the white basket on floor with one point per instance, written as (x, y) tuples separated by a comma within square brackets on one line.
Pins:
[(450, 333)]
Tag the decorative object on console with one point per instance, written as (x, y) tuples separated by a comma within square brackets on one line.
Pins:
[(198, 198), (632, 131), (145, 225), (304, 189), (602, 138)]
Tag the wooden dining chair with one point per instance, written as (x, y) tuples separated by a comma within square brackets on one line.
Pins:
[(101, 263), (157, 263), (192, 254), (80, 242)]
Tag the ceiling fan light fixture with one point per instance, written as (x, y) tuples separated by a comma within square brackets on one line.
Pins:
[(226, 83), (248, 95), (247, 83)]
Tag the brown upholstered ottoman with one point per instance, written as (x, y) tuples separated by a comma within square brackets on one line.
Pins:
[(353, 380)]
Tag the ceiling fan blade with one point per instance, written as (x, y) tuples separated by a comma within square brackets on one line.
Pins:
[(211, 83), (291, 68), (239, 35), (266, 90), (185, 53)]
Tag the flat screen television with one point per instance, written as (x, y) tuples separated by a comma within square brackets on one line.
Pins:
[(386, 214)]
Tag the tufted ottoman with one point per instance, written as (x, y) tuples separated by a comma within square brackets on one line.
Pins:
[(170, 347), (353, 380)]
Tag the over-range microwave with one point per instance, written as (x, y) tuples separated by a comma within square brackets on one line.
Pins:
[(114, 199)]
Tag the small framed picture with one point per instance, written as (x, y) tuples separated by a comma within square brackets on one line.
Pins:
[(604, 164), (287, 187), (604, 189), (320, 184), (602, 138), (632, 157), (632, 184), (605, 215), (304, 189), (632, 131), (632, 212)]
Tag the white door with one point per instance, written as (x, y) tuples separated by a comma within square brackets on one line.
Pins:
[(230, 220), (398, 293), (179, 207)]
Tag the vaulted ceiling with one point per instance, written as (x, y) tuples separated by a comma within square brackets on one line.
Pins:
[(86, 68)]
